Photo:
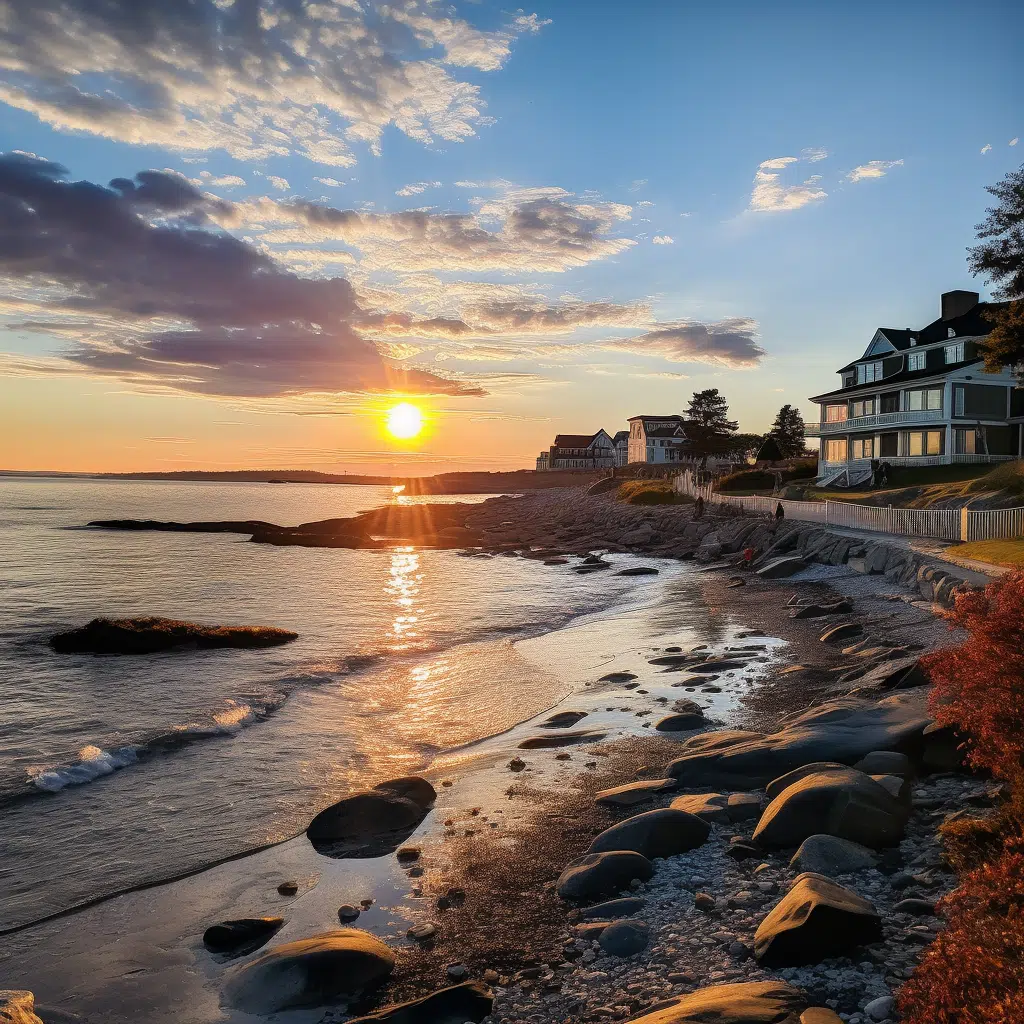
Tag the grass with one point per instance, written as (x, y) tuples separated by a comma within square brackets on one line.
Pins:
[(651, 492), (995, 552), (1007, 476)]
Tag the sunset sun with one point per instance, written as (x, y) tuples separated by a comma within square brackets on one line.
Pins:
[(404, 421)]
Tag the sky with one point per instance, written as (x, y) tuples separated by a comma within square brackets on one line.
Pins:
[(234, 233)]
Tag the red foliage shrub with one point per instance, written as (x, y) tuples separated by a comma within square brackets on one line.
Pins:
[(974, 971), (979, 684)]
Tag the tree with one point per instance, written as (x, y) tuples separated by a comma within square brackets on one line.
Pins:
[(1000, 256), (788, 431), (742, 446), (708, 427)]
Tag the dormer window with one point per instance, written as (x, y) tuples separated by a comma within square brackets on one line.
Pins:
[(955, 353), (950, 333), (867, 373), (916, 361)]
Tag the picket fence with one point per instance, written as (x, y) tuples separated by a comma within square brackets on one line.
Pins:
[(941, 524)]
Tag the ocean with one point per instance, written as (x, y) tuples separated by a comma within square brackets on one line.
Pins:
[(119, 771)]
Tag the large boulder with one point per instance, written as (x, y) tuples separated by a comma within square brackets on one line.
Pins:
[(885, 762), (776, 786), (241, 936), (624, 938), (602, 874), (681, 722), (633, 793), (711, 807), (317, 971), (148, 634), (844, 803), (762, 1002), (372, 823), (471, 1001), (842, 730), (17, 1006), (780, 568), (562, 739), (830, 856), (664, 832), (816, 919)]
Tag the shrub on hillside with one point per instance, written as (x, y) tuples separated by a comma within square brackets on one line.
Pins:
[(1007, 476), (974, 971), (650, 492), (978, 685), (760, 479)]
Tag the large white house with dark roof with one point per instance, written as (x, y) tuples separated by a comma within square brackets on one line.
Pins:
[(656, 439), (920, 397)]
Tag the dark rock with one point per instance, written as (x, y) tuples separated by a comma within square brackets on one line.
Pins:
[(635, 792), (374, 822), (470, 1001), (841, 632), (943, 748), (638, 570), (624, 938), (556, 561), (915, 907), (764, 1002), (885, 762), (347, 913), (565, 739), (660, 833), (517, 764), (744, 851), (817, 611), (563, 719), (241, 936), (815, 920), (776, 786), (674, 660), (846, 803), (422, 932), (716, 666), (681, 722), (612, 909), (148, 635), (711, 807), (288, 888), (617, 677), (743, 806), (317, 971), (780, 568), (830, 856), (601, 874)]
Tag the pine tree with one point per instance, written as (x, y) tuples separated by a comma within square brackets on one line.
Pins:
[(709, 430), (1000, 256), (788, 431)]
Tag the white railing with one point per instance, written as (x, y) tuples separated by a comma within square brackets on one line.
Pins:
[(825, 468), (941, 523), (878, 419)]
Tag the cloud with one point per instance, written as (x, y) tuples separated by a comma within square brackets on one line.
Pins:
[(663, 240), (330, 182), (637, 184), (872, 169), (219, 181), (1014, 140), (986, 148), (138, 274), (729, 342), (282, 184), (417, 187), (771, 196), (254, 79), (813, 154)]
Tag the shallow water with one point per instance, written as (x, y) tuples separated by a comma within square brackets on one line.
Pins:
[(120, 770)]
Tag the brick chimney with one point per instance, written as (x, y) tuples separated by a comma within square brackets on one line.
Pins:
[(957, 303)]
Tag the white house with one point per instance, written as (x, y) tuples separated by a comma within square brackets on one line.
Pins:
[(580, 451), (621, 442), (656, 439)]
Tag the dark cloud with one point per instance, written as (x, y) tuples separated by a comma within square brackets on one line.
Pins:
[(198, 308), (728, 342)]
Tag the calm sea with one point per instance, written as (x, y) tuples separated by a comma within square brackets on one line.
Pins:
[(119, 770)]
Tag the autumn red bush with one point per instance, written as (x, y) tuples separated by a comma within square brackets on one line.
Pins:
[(979, 684), (973, 973)]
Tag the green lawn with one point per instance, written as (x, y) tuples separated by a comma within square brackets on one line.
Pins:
[(996, 552)]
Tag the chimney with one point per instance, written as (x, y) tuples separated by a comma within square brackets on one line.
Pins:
[(957, 303)]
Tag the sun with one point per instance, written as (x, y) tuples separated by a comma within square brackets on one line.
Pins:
[(404, 421)]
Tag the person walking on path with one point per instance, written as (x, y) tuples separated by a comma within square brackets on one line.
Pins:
[(698, 508)]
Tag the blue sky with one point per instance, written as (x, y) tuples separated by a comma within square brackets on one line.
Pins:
[(616, 205)]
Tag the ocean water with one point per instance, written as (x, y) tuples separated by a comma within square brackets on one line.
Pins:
[(115, 771)]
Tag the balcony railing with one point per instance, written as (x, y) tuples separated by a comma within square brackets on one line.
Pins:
[(824, 468), (879, 419)]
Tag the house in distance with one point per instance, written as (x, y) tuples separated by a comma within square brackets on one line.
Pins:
[(656, 439)]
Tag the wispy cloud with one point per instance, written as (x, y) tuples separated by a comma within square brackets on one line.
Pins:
[(770, 195), (1014, 140), (330, 182), (873, 169), (663, 240), (206, 179), (731, 342), (813, 154), (986, 148), (417, 187), (282, 184)]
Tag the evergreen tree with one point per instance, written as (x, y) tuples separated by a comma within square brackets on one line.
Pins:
[(708, 427), (1000, 256), (788, 431)]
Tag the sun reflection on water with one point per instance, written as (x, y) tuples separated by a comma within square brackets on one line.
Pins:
[(403, 588)]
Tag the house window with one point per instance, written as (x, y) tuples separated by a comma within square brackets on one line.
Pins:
[(863, 408), (916, 360), (965, 442), (862, 448), (958, 401), (890, 402), (927, 399), (924, 442), (848, 380), (869, 372), (835, 451), (955, 353), (835, 413)]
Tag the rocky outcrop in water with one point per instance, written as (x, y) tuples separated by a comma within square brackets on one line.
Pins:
[(242, 936), (149, 635)]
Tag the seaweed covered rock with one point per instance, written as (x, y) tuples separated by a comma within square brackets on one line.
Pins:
[(241, 936), (148, 635)]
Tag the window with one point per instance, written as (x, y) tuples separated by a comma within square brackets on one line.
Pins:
[(929, 398), (965, 442), (958, 401), (848, 380), (890, 402), (835, 451), (863, 408), (955, 353), (835, 413), (924, 442), (862, 448), (868, 372), (916, 360)]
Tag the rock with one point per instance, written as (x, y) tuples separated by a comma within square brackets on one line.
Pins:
[(817, 611), (780, 568), (564, 739), (617, 677), (846, 803), (664, 832), (842, 730), (148, 635), (241, 936), (347, 913), (942, 748), (641, 535), (635, 792), (915, 907), (712, 807), (624, 938), (681, 722), (556, 561), (743, 850), (374, 822), (288, 888), (407, 854), (18, 1006), (613, 909), (563, 719), (317, 971), (470, 1001), (815, 920), (743, 806), (601, 874), (897, 786), (517, 764), (776, 786), (422, 932), (685, 706), (881, 1008), (885, 762), (764, 1002), (841, 632), (456, 971), (638, 570), (829, 855), (820, 1015)]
